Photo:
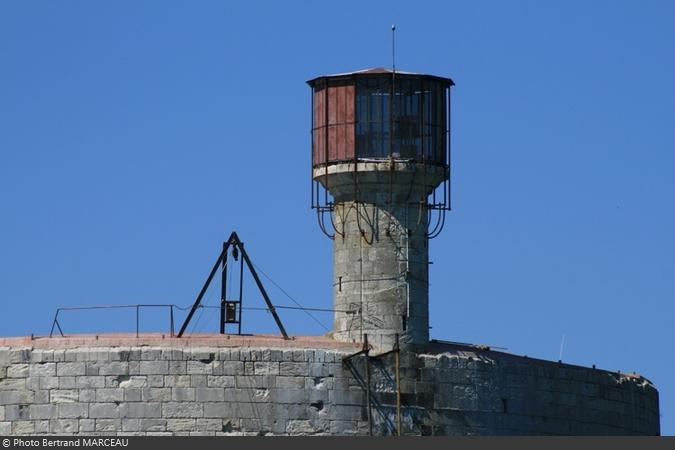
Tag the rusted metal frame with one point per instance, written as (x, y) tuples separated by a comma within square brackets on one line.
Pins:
[(448, 136), (368, 402), (397, 355), (326, 140), (396, 351), (198, 301), (311, 145)]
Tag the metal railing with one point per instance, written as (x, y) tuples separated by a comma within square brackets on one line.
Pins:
[(57, 325)]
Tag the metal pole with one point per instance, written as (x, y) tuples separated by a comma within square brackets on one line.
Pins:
[(171, 320), (195, 306), (270, 306), (137, 319), (223, 288), (370, 414), (398, 387), (241, 287)]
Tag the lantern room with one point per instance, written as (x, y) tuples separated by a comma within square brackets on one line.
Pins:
[(379, 114)]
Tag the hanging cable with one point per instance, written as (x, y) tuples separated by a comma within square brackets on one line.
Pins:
[(292, 299)]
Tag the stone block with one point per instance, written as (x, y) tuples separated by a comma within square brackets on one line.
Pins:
[(198, 381), (230, 410), (346, 397), (199, 368), (289, 382), (90, 382), (232, 367), (141, 410), (300, 427), (64, 426), (151, 354), (41, 426), (127, 382), (19, 355), (41, 396), (177, 380), (177, 367), (294, 368), (109, 395), (209, 425), (18, 371), (16, 397), (206, 394), (154, 367), (43, 370), (153, 425), (129, 425), (108, 425), (132, 394), (182, 410), (182, 394), (156, 394), (2, 413), (49, 382), (178, 425), (114, 368), (221, 381), (266, 368), (73, 410), (5, 428), (65, 369), (104, 411), (64, 396), (12, 384), (23, 427), (289, 396), (87, 425), (43, 412), (67, 382), (17, 412)]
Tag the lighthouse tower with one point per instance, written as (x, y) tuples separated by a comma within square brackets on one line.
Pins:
[(380, 171)]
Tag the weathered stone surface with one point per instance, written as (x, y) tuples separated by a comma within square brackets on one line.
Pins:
[(179, 409), (104, 410), (64, 426), (64, 395), (294, 368), (73, 410), (141, 410), (43, 370), (17, 371), (154, 367), (310, 391), (64, 369)]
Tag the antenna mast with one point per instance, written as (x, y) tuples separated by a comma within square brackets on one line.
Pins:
[(393, 48)]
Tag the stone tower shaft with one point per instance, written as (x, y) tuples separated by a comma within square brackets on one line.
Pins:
[(380, 151)]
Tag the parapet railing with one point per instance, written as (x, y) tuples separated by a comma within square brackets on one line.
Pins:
[(56, 326), (138, 307)]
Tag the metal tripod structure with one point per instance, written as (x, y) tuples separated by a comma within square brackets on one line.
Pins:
[(230, 310)]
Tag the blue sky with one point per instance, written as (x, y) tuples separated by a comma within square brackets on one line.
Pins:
[(135, 136)]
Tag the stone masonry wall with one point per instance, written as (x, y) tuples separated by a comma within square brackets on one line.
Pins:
[(300, 391)]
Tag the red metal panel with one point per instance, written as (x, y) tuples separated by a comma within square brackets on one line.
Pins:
[(333, 115), (350, 122), (319, 123), (332, 143)]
